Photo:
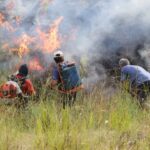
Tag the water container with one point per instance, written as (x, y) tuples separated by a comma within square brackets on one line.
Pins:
[(70, 76)]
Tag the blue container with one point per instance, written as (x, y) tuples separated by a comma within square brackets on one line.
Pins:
[(70, 77)]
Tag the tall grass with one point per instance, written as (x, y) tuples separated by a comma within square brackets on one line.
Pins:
[(93, 123)]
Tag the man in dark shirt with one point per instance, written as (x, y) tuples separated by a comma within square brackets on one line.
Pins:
[(26, 84)]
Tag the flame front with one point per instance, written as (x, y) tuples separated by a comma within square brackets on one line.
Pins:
[(35, 65), (23, 45), (47, 42), (50, 41)]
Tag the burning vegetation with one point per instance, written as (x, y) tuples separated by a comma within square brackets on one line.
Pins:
[(96, 33), (26, 45), (30, 31)]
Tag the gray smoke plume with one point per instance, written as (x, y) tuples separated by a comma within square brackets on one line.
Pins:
[(99, 31)]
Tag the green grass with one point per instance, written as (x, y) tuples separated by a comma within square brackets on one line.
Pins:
[(93, 123)]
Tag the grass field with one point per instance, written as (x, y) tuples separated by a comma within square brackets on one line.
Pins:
[(93, 123)]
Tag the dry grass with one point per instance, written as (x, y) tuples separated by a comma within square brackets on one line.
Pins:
[(115, 123)]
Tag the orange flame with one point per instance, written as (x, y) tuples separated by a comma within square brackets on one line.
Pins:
[(35, 65), (47, 42), (23, 43), (50, 41)]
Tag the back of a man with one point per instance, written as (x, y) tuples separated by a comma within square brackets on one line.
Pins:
[(136, 74), (67, 79), (138, 77)]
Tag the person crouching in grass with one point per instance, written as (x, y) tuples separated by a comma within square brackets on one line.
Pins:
[(138, 78)]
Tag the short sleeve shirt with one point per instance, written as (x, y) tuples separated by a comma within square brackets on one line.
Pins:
[(135, 74), (55, 72)]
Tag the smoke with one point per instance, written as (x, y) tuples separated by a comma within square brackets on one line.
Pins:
[(101, 31)]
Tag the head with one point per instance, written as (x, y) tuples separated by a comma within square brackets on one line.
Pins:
[(23, 70), (12, 78), (58, 56), (123, 62), (17, 78)]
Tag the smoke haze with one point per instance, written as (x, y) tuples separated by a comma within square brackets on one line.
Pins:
[(103, 31)]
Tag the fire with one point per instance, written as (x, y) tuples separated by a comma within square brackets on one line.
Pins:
[(50, 41), (24, 41), (35, 65), (47, 42)]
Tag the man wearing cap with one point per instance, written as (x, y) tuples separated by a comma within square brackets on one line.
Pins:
[(68, 95), (59, 60), (138, 77)]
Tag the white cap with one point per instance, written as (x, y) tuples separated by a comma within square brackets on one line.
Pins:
[(58, 54)]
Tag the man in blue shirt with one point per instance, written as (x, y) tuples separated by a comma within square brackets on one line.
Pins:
[(67, 98), (138, 77)]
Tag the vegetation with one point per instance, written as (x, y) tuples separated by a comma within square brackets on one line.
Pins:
[(95, 122)]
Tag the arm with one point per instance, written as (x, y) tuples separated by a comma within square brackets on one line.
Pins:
[(28, 88), (125, 83), (18, 91), (55, 77), (123, 76)]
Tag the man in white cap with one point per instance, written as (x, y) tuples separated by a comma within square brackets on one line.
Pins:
[(59, 60), (69, 85), (138, 78)]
